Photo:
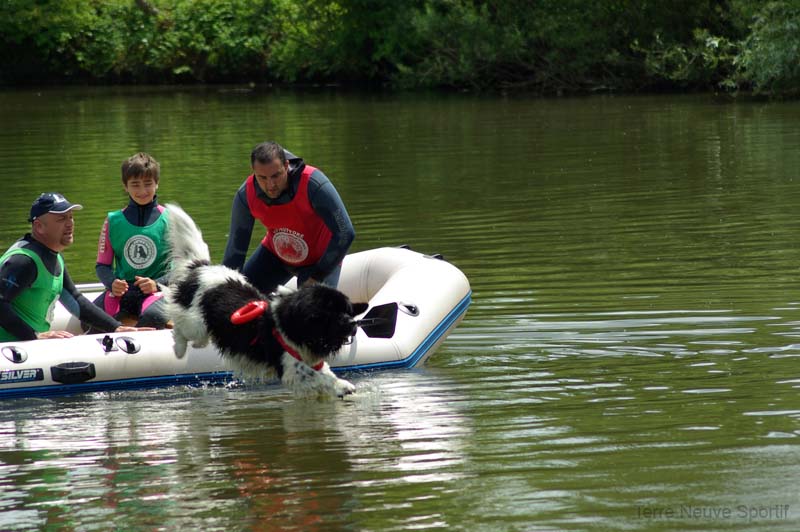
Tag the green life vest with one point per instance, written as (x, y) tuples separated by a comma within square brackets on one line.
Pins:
[(36, 304), (138, 250)]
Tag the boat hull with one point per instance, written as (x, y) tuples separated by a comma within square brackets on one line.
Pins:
[(432, 297)]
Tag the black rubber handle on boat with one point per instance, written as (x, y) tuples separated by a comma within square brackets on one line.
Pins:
[(128, 344), (108, 343), (72, 372), (15, 354)]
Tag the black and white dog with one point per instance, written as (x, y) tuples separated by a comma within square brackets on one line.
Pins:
[(288, 334)]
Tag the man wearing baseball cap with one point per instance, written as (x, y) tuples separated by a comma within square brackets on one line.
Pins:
[(33, 276)]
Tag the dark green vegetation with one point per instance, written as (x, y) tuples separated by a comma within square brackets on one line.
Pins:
[(547, 46)]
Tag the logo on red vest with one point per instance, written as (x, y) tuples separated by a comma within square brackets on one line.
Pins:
[(290, 246)]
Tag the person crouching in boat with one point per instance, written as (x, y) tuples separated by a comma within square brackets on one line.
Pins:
[(308, 229), (132, 253), (33, 276)]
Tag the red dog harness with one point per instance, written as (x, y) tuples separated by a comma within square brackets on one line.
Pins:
[(254, 309)]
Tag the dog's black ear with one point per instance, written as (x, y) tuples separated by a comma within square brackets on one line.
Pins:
[(359, 308)]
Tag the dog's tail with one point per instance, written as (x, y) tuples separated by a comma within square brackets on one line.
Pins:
[(185, 239)]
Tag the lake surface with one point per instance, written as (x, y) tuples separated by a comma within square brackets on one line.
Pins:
[(631, 359)]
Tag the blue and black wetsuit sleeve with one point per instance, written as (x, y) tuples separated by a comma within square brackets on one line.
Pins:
[(327, 203), (79, 306), (17, 274), (106, 275), (240, 231)]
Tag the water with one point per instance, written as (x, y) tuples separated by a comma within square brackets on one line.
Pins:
[(628, 363)]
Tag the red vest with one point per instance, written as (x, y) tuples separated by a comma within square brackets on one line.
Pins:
[(295, 233)]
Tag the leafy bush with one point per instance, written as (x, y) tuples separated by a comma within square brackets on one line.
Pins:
[(707, 62), (769, 58), (208, 40), (345, 40), (549, 46)]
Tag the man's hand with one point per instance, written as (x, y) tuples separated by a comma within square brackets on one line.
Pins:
[(54, 334), (127, 328)]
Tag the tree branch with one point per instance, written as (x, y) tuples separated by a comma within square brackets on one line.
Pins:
[(147, 7)]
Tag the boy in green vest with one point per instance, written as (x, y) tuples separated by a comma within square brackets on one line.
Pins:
[(33, 276), (132, 253)]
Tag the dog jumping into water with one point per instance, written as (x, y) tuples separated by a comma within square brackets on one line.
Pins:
[(289, 334)]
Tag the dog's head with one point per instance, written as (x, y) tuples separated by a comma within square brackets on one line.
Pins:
[(318, 318)]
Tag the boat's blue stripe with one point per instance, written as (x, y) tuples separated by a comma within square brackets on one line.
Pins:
[(189, 379), (196, 379), (411, 360)]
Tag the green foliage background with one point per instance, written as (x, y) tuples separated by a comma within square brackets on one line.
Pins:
[(547, 46)]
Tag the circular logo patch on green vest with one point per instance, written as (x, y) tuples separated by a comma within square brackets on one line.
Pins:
[(140, 251)]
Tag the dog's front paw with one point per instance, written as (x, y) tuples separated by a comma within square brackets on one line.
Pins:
[(344, 387), (180, 345)]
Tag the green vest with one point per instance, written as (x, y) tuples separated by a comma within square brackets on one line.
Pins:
[(36, 304), (138, 250)]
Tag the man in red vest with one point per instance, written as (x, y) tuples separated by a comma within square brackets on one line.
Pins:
[(308, 228)]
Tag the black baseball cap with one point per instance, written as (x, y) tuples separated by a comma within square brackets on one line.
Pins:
[(51, 202)]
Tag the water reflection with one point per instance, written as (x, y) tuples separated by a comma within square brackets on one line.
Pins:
[(631, 344), (415, 421), (252, 451)]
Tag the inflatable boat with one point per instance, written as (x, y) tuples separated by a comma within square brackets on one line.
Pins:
[(415, 301)]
